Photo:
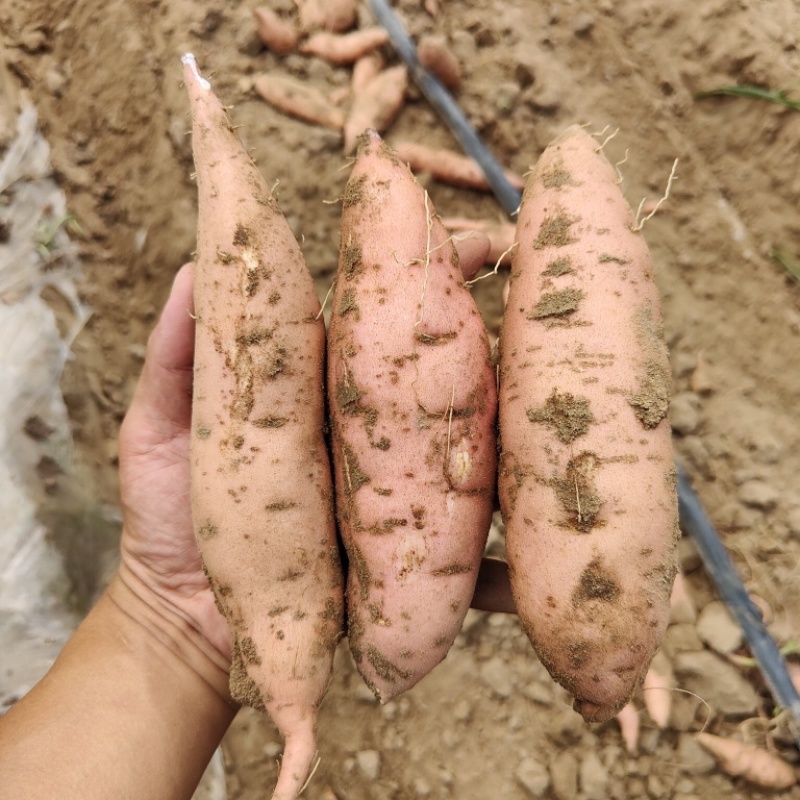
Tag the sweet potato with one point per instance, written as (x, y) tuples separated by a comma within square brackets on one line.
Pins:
[(412, 404), (747, 761), (449, 167), (344, 48), (501, 236), (276, 34), (376, 105), (364, 70), (299, 100), (629, 725), (586, 478), (332, 15), (435, 54), (657, 690), (261, 483)]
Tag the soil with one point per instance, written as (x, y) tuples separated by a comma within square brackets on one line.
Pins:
[(106, 80)]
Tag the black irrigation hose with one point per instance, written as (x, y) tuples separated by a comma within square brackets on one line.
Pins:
[(692, 516), (731, 589)]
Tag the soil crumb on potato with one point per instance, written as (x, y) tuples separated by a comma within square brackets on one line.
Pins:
[(354, 476), (359, 564), (558, 267), (348, 303), (269, 422), (650, 401), (555, 232), (453, 569), (577, 493), (578, 654), (207, 531), (567, 415), (249, 652), (607, 258), (348, 396), (385, 668), (243, 687), (351, 259), (557, 304), (595, 583), (557, 176), (354, 191)]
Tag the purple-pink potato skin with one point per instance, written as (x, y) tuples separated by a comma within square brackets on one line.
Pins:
[(412, 399)]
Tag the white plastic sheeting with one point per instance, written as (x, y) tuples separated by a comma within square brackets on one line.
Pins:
[(35, 618), (35, 605)]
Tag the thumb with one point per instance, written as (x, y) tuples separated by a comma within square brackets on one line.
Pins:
[(163, 396)]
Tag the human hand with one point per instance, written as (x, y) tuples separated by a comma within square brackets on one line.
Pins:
[(159, 553), (158, 545)]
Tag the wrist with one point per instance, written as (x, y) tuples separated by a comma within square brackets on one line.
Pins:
[(134, 706), (147, 619)]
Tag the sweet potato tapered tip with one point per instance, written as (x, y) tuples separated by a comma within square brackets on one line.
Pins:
[(192, 73)]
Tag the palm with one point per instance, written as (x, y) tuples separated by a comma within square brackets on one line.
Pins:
[(158, 542)]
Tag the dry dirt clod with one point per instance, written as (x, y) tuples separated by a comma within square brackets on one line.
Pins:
[(758, 494), (565, 728), (793, 521), (719, 683), (681, 638), (564, 775), (684, 413), (593, 777), (583, 24), (688, 557), (497, 675), (718, 629), (532, 776), (369, 762)]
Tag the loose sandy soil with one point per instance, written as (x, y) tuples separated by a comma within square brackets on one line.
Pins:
[(105, 78)]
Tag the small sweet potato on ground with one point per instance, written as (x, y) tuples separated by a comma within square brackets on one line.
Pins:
[(344, 48), (501, 236), (435, 54), (754, 764), (449, 167), (336, 16), (299, 100), (276, 34), (376, 105)]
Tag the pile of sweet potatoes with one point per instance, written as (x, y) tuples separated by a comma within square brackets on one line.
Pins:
[(585, 473)]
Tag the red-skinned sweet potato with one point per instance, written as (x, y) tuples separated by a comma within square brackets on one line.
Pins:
[(587, 485), (412, 405), (261, 483)]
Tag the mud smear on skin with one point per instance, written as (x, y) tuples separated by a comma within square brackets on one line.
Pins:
[(555, 232), (577, 493), (558, 305), (567, 415), (650, 401), (558, 267)]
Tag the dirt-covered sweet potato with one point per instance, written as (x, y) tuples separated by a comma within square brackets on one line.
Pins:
[(412, 404), (587, 486), (261, 483)]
